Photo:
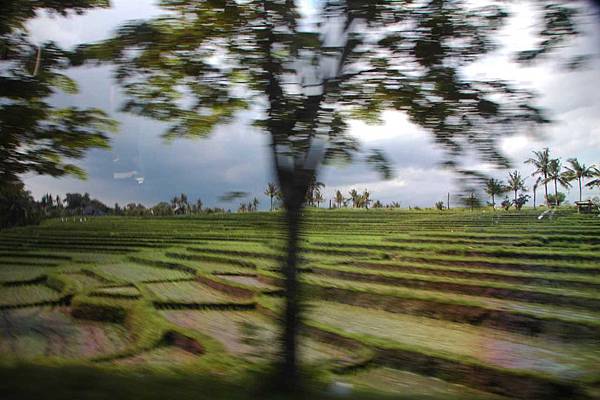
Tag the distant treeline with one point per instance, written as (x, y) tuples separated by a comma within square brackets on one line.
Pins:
[(18, 207)]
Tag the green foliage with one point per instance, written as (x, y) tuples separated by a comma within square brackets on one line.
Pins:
[(557, 199), (313, 191), (37, 137), (359, 200), (596, 175), (174, 51), (470, 201), (515, 182), (556, 175), (381, 164), (17, 206), (339, 199), (559, 23), (577, 171), (541, 163), (521, 201), (494, 187), (162, 209), (271, 192), (136, 210)]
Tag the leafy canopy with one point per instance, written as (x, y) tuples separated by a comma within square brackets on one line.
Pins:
[(34, 135), (306, 77)]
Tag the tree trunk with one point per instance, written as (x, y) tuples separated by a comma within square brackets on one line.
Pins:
[(493, 202), (294, 185), (515, 197), (291, 317), (579, 179), (546, 190), (534, 190), (556, 201)]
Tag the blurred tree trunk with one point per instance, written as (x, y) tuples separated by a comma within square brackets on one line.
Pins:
[(546, 189), (294, 184), (291, 317)]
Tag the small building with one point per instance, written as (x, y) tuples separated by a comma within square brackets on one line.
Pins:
[(586, 207)]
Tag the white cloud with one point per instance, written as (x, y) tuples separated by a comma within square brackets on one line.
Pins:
[(94, 25), (395, 126), (516, 145)]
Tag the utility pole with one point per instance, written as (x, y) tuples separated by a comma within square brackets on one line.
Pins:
[(448, 203)]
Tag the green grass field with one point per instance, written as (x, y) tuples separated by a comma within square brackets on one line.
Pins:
[(399, 304)]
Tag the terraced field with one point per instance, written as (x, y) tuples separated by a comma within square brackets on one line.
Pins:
[(439, 305)]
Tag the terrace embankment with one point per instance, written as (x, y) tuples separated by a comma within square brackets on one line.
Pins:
[(501, 302)]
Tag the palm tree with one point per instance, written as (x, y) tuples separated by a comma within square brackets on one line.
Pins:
[(516, 183), (595, 174), (318, 198), (271, 192), (494, 187), (535, 186), (279, 198), (578, 171), (339, 199), (314, 187), (555, 175), (365, 199), (541, 162), (182, 202), (354, 197)]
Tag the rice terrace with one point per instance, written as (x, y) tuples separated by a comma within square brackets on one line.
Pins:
[(300, 200), (429, 304)]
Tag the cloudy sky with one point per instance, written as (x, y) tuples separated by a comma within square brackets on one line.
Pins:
[(141, 167)]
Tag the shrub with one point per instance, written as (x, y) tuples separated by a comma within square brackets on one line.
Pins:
[(561, 198), (471, 201), (17, 207), (521, 200)]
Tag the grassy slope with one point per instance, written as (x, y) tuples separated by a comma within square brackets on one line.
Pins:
[(479, 249)]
